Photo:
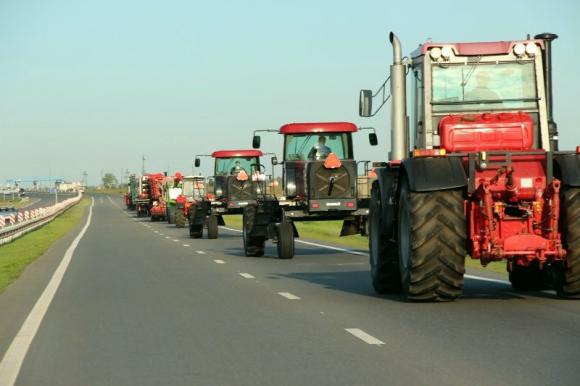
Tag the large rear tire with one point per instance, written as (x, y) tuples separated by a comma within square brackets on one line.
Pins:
[(432, 243), (179, 218), (567, 280), (212, 227), (285, 240), (253, 246), (385, 273)]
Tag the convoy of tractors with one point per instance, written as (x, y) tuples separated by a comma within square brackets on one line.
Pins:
[(474, 171)]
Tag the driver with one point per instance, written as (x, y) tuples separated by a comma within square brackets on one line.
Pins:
[(482, 91), (236, 168), (320, 150)]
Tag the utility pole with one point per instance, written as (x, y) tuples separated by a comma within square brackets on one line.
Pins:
[(85, 180), (143, 165)]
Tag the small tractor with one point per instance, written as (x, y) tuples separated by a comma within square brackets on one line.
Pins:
[(474, 169), (234, 186), (132, 192), (320, 182), (192, 192)]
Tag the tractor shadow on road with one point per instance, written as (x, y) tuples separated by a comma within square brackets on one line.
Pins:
[(271, 252), (359, 283)]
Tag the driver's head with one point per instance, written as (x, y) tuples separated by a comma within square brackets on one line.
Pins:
[(237, 163), (482, 79), (322, 140)]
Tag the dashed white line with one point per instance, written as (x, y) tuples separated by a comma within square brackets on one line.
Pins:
[(247, 275), (175, 240), (219, 261), (288, 296), (167, 237), (200, 252), (186, 245), (364, 336), (156, 231)]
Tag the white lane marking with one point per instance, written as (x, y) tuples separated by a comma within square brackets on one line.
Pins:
[(486, 279), (247, 275), (200, 252), (219, 261), (14, 357), (288, 295), (167, 237), (161, 234), (156, 231), (364, 336), (349, 251), (175, 240), (186, 245)]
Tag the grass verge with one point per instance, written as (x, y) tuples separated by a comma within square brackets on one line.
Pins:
[(329, 231), (15, 256)]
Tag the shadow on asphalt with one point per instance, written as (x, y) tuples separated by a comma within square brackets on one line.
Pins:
[(358, 282), (271, 252)]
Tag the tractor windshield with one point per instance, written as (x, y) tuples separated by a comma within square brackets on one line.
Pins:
[(484, 86), (301, 147), (232, 166), (194, 188)]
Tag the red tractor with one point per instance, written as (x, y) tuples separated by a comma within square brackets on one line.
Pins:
[(482, 175), (320, 182), (192, 193), (234, 188)]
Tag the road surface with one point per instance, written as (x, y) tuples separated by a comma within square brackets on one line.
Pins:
[(143, 304)]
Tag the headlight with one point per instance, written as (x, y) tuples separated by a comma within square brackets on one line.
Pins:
[(519, 49), (446, 52), (531, 49), (435, 53)]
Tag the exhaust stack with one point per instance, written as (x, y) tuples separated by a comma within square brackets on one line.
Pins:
[(552, 126), (399, 145)]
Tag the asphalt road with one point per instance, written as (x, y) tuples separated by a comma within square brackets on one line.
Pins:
[(39, 200), (143, 304)]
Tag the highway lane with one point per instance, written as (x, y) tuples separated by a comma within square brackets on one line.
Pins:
[(39, 200), (143, 304)]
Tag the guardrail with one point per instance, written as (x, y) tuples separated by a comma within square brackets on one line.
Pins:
[(17, 224)]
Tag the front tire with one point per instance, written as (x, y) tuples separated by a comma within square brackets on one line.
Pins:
[(285, 240), (179, 218), (212, 227), (567, 280), (253, 246), (432, 243), (385, 273)]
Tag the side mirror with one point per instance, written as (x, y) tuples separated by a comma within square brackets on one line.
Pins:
[(365, 103), (274, 160), (197, 162), (373, 139), (256, 142)]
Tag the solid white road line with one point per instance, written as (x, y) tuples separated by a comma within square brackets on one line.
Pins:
[(247, 275), (364, 336), (219, 261), (186, 245), (200, 252), (14, 357), (288, 295), (481, 278)]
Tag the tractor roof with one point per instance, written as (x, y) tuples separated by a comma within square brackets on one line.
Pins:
[(236, 153), (475, 48), (318, 127)]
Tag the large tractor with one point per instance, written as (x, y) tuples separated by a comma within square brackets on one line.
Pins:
[(320, 182), (234, 186), (148, 203), (474, 169), (132, 192)]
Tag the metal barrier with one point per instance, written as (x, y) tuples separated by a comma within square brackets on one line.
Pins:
[(18, 224)]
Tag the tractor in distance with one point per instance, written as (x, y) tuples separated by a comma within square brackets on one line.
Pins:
[(473, 170), (320, 182), (132, 192), (192, 193), (172, 187), (234, 186), (148, 200)]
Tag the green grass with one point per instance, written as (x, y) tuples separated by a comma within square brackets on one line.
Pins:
[(15, 256), (329, 231), (17, 202), (113, 191)]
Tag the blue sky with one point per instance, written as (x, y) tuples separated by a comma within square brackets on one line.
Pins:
[(94, 85)]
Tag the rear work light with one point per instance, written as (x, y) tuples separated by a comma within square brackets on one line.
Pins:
[(429, 153), (315, 205), (350, 204)]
